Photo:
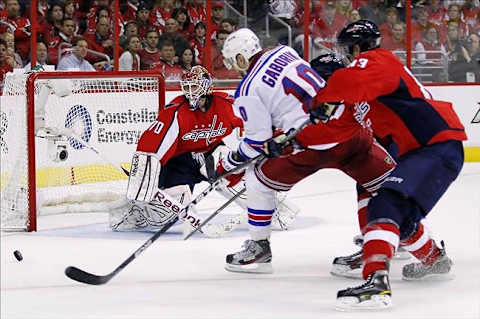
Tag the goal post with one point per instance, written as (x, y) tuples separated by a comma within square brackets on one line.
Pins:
[(63, 137)]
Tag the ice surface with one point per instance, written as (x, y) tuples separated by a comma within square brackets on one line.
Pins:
[(186, 279)]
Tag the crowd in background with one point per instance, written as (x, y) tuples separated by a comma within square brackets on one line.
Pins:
[(170, 35)]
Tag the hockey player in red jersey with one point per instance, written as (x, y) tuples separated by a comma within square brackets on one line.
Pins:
[(386, 97), (195, 121), (276, 91)]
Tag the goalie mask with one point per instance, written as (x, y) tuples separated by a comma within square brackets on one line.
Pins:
[(196, 84)]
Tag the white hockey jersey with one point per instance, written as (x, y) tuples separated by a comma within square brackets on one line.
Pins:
[(276, 92)]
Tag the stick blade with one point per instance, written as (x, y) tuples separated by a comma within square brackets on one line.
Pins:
[(85, 277)]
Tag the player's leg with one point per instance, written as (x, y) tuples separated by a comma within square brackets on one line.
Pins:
[(262, 181)]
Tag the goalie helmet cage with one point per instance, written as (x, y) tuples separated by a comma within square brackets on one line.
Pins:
[(107, 110)]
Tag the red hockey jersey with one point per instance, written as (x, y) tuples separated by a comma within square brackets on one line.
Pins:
[(385, 96), (179, 130)]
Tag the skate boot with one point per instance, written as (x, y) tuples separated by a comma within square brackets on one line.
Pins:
[(348, 266), (256, 257), (440, 269), (374, 294)]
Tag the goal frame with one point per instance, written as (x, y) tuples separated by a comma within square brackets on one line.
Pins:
[(30, 100)]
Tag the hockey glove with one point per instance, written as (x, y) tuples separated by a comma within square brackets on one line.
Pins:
[(227, 163), (322, 112), (278, 145)]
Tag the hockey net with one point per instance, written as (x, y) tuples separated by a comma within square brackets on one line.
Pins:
[(64, 137)]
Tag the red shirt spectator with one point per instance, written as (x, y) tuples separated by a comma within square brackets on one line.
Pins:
[(167, 65), (397, 42), (100, 40), (196, 11), (19, 26), (220, 71), (436, 12), (326, 27), (185, 26), (150, 55), (130, 13), (391, 17), (197, 42), (50, 27), (162, 13), (6, 63), (65, 36), (470, 13)]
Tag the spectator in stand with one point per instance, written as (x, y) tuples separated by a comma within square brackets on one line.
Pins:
[(187, 60), (42, 56), (353, 16), (185, 27), (457, 54), (344, 7), (229, 25), (436, 12), (65, 35), (197, 42), (130, 59), (397, 42), (49, 27), (470, 11), (327, 25), (163, 10), (143, 20), (10, 41), (373, 11), (168, 66), (218, 14), (431, 42), (196, 11), (129, 10), (100, 12), (386, 28), (69, 12), (150, 55), (131, 29), (453, 15), (76, 60), (19, 26), (100, 41), (6, 63), (475, 28), (219, 69), (473, 48), (420, 24), (171, 35)]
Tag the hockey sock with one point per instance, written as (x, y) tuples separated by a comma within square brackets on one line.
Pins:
[(422, 246), (259, 223), (380, 242), (363, 200)]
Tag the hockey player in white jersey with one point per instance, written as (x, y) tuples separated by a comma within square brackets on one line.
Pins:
[(275, 93)]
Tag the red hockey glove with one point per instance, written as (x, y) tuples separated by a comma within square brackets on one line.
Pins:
[(228, 163)]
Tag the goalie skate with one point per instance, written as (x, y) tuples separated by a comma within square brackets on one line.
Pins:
[(256, 257), (374, 294), (440, 269)]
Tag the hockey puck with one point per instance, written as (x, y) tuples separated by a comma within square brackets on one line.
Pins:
[(18, 255)]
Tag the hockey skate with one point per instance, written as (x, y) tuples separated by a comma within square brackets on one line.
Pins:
[(440, 269), (256, 257), (374, 294), (348, 266)]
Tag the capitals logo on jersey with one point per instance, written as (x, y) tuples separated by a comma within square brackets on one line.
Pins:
[(361, 111), (209, 133)]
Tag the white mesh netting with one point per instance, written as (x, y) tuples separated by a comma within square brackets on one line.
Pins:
[(108, 114)]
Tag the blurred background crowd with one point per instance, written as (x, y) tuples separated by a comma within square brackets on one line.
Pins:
[(171, 35)]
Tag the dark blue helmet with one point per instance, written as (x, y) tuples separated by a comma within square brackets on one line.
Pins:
[(326, 64), (363, 33)]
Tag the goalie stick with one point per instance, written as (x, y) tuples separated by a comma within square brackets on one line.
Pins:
[(82, 276)]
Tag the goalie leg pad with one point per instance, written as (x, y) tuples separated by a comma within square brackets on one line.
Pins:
[(143, 179)]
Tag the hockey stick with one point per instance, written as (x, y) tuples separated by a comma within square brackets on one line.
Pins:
[(215, 213), (289, 136), (92, 279)]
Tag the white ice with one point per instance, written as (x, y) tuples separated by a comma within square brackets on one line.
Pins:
[(186, 279)]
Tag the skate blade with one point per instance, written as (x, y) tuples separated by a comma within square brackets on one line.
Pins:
[(346, 272), (254, 268), (432, 277), (377, 302)]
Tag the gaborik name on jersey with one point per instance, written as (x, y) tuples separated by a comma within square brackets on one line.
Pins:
[(208, 133)]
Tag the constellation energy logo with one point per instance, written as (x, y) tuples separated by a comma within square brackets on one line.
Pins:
[(476, 118)]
